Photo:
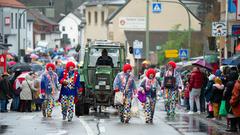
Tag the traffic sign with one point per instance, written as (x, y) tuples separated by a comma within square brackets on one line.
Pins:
[(137, 49), (156, 7), (219, 29), (183, 53), (171, 53)]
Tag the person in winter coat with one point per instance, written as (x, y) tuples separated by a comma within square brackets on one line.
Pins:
[(235, 103), (124, 82), (70, 80), (172, 82), (149, 86), (216, 97), (6, 92), (26, 93), (208, 94), (195, 85), (49, 87), (232, 77)]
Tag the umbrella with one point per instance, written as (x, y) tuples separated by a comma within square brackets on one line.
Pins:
[(203, 63), (20, 67), (9, 56), (11, 63), (34, 56), (235, 60), (19, 80)]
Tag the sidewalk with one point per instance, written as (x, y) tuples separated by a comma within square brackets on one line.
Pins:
[(222, 122)]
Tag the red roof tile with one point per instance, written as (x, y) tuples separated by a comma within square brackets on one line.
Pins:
[(11, 3)]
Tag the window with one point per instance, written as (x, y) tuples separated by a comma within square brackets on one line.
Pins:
[(16, 21), (96, 17), (63, 28), (12, 20), (89, 17), (43, 36), (24, 21), (102, 15), (29, 27)]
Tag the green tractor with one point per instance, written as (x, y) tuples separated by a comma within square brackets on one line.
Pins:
[(98, 80)]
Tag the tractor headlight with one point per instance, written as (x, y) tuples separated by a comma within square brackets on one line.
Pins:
[(108, 87), (97, 87)]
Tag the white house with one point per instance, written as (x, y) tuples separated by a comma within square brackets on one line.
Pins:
[(11, 12), (70, 27), (29, 31)]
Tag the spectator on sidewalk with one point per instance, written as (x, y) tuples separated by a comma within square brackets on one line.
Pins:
[(195, 85), (6, 92), (216, 97), (232, 77), (208, 94), (235, 104)]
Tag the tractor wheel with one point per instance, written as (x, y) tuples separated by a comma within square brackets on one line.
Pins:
[(86, 109)]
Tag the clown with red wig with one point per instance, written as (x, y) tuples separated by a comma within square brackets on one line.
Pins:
[(124, 82), (70, 80), (149, 86), (172, 82), (49, 86)]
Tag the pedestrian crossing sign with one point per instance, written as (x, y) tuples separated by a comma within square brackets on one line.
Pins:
[(156, 7), (183, 53)]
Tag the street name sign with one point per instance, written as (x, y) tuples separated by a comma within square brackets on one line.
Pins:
[(171, 53)]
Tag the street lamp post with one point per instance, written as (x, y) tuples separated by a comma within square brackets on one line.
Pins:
[(19, 25), (147, 23)]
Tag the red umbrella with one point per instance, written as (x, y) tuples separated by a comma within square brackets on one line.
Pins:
[(19, 80), (238, 48), (203, 63), (11, 63)]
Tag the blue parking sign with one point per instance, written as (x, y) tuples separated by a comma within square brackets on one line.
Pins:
[(156, 7), (183, 53)]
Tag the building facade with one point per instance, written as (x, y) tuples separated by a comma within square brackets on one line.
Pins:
[(44, 30), (11, 12)]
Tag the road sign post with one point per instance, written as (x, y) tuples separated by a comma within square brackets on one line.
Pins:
[(183, 54), (137, 49)]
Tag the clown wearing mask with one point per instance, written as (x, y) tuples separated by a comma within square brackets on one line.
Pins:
[(125, 83), (149, 86), (49, 86), (70, 80)]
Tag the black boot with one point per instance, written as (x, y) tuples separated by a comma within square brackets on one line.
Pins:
[(233, 125)]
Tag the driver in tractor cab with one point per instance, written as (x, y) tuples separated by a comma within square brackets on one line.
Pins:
[(104, 60)]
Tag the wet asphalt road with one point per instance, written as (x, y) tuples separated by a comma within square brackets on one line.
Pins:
[(107, 123)]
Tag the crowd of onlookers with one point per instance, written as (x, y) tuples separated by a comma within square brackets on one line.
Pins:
[(218, 94)]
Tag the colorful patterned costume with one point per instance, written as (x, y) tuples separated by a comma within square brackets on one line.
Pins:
[(69, 90), (150, 87), (170, 94), (49, 86), (125, 83)]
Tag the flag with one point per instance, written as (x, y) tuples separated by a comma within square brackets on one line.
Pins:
[(232, 6)]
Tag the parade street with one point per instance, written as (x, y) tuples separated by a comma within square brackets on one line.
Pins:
[(107, 123)]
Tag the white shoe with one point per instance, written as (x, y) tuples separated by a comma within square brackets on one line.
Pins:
[(190, 112), (198, 112)]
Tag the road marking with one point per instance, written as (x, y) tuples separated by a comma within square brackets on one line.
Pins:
[(102, 129), (27, 117), (86, 126), (60, 132)]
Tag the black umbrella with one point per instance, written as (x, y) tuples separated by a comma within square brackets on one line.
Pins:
[(20, 67)]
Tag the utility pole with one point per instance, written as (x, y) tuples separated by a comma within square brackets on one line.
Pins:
[(147, 30), (226, 39)]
